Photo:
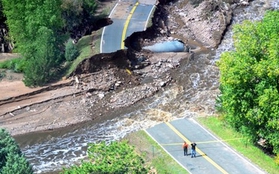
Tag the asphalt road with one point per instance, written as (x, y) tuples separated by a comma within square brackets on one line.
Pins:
[(133, 18), (139, 19), (213, 156), (112, 36)]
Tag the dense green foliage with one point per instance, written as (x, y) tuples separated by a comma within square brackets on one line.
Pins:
[(40, 29), (85, 50), (6, 46), (44, 60), (77, 14), (2, 16), (17, 64), (250, 80), (71, 51), (117, 157), (15, 20), (36, 31), (11, 158)]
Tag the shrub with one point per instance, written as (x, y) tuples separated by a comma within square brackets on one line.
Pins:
[(71, 51), (17, 65), (11, 158), (117, 157), (2, 74), (43, 59)]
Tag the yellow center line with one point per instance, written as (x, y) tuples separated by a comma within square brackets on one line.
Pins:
[(203, 142), (197, 149), (126, 25)]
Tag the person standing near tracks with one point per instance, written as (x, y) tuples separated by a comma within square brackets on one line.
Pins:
[(193, 149), (185, 148)]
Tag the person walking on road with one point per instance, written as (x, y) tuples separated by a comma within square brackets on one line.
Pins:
[(193, 149), (185, 148)]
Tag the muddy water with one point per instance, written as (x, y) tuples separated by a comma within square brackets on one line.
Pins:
[(194, 95)]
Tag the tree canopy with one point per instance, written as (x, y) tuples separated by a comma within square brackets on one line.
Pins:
[(36, 27), (116, 157), (249, 81), (40, 29), (76, 12), (11, 158)]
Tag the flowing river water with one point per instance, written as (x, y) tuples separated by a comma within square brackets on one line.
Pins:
[(194, 95)]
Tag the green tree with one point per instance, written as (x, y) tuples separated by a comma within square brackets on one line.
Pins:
[(37, 31), (43, 58), (14, 11), (11, 158), (89, 7), (78, 14), (72, 13), (117, 157), (2, 16), (249, 81)]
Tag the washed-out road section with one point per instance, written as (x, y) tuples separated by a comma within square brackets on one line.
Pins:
[(125, 22)]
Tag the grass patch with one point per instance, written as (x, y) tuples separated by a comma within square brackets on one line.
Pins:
[(153, 154), (87, 46), (149, 22), (243, 146), (15, 64), (84, 48), (97, 41)]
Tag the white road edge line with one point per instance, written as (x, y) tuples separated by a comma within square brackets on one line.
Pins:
[(146, 23), (166, 151), (252, 164), (101, 43)]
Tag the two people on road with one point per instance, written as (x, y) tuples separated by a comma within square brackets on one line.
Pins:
[(193, 149)]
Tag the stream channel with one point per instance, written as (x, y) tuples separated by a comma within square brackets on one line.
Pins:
[(49, 152)]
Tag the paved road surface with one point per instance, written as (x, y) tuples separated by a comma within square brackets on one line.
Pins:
[(213, 156), (128, 16), (139, 19)]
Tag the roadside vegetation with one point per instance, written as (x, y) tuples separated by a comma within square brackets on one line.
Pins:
[(41, 33), (240, 143), (115, 157), (153, 154), (249, 82), (51, 49), (11, 158), (84, 51), (136, 153), (87, 47), (17, 65)]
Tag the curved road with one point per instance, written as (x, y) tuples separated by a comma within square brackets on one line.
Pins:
[(128, 17), (213, 156)]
